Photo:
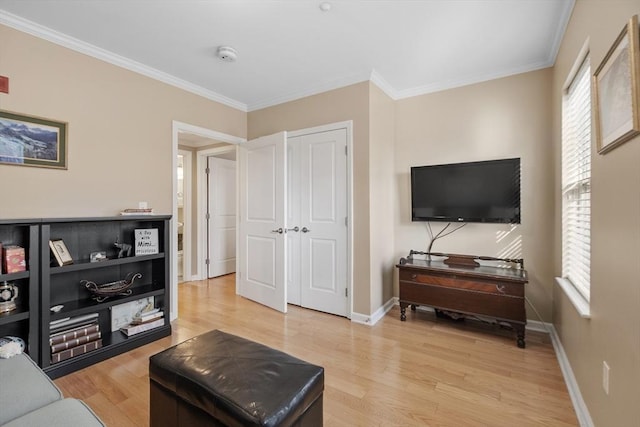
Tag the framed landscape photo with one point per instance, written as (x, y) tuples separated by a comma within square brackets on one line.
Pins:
[(32, 141), (616, 91)]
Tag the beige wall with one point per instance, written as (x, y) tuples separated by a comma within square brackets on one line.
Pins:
[(501, 118), (613, 332), (381, 190), (348, 103), (119, 132)]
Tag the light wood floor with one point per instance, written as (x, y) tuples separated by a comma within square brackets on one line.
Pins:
[(422, 372)]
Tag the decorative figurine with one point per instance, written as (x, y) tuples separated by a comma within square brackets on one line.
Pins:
[(125, 249)]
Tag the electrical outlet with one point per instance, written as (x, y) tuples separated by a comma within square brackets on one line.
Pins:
[(605, 377), (142, 205)]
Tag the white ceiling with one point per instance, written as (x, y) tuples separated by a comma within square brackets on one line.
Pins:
[(288, 49)]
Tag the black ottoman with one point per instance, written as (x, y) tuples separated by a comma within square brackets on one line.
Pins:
[(219, 379)]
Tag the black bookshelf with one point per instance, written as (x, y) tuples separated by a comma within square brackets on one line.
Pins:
[(23, 322), (62, 285)]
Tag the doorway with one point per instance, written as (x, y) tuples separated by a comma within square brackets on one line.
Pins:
[(193, 140), (183, 217), (220, 214)]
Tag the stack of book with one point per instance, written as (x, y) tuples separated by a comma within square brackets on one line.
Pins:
[(137, 211), (73, 336), (144, 322)]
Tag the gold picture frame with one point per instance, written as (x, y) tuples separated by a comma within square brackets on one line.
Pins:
[(616, 90), (60, 252)]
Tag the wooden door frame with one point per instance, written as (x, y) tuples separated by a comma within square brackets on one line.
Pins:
[(348, 126)]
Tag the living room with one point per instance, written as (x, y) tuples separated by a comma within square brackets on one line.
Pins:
[(120, 152)]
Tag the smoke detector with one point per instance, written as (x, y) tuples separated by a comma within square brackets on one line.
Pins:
[(227, 53), (325, 6)]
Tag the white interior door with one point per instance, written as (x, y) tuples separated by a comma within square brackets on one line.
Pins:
[(320, 198), (222, 216), (261, 238)]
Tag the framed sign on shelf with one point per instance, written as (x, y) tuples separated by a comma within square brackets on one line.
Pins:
[(616, 89)]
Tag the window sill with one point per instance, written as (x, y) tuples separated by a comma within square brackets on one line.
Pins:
[(579, 302)]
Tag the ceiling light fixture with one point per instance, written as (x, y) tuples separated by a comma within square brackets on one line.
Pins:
[(227, 53), (325, 6)]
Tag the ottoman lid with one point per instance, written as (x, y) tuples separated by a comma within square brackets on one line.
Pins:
[(238, 381)]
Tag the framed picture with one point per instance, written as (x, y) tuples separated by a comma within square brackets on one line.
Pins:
[(123, 314), (32, 141), (61, 252), (616, 91)]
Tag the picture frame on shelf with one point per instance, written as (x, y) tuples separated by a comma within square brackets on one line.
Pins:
[(616, 90), (123, 314), (60, 252), (32, 141)]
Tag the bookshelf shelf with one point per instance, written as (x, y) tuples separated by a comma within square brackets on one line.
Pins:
[(86, 265), (14, 316), (88, 305)]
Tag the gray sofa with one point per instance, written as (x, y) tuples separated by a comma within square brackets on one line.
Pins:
[(29, 398)]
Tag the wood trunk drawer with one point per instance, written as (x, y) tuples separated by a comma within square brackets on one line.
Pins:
[(464, 300), (452, 281)]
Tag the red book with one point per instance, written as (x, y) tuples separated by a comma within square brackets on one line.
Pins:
[(13, 259)]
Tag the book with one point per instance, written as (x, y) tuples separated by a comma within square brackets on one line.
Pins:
[(74, 333), (146, 319), (137, 211), (76, 351), (136, 329), (13, 259), (146, 241), (74, 342), (59, 325)]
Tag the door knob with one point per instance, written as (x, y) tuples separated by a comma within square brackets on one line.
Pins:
[(279, 231), (305, 230), (296, 229)]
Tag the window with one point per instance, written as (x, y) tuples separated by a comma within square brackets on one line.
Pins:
[(576, 180)]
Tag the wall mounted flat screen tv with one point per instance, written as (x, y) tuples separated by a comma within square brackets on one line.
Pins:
[(487, 191)]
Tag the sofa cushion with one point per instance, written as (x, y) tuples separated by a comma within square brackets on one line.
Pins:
[(24, 387), (62, 413)]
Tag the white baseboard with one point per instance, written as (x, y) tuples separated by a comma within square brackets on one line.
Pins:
[(582, 412), (377, 315)]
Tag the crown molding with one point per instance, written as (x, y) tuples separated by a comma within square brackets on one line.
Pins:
[(453, 84), (379, 81), (562, 29), (80, 46)]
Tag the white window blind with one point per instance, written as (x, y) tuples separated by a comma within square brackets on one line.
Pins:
[(576, 180)]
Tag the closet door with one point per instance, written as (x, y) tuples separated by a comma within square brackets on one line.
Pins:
[(262, 242), (322, 257)]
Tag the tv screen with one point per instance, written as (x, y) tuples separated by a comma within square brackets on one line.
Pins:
[(487, 191)]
